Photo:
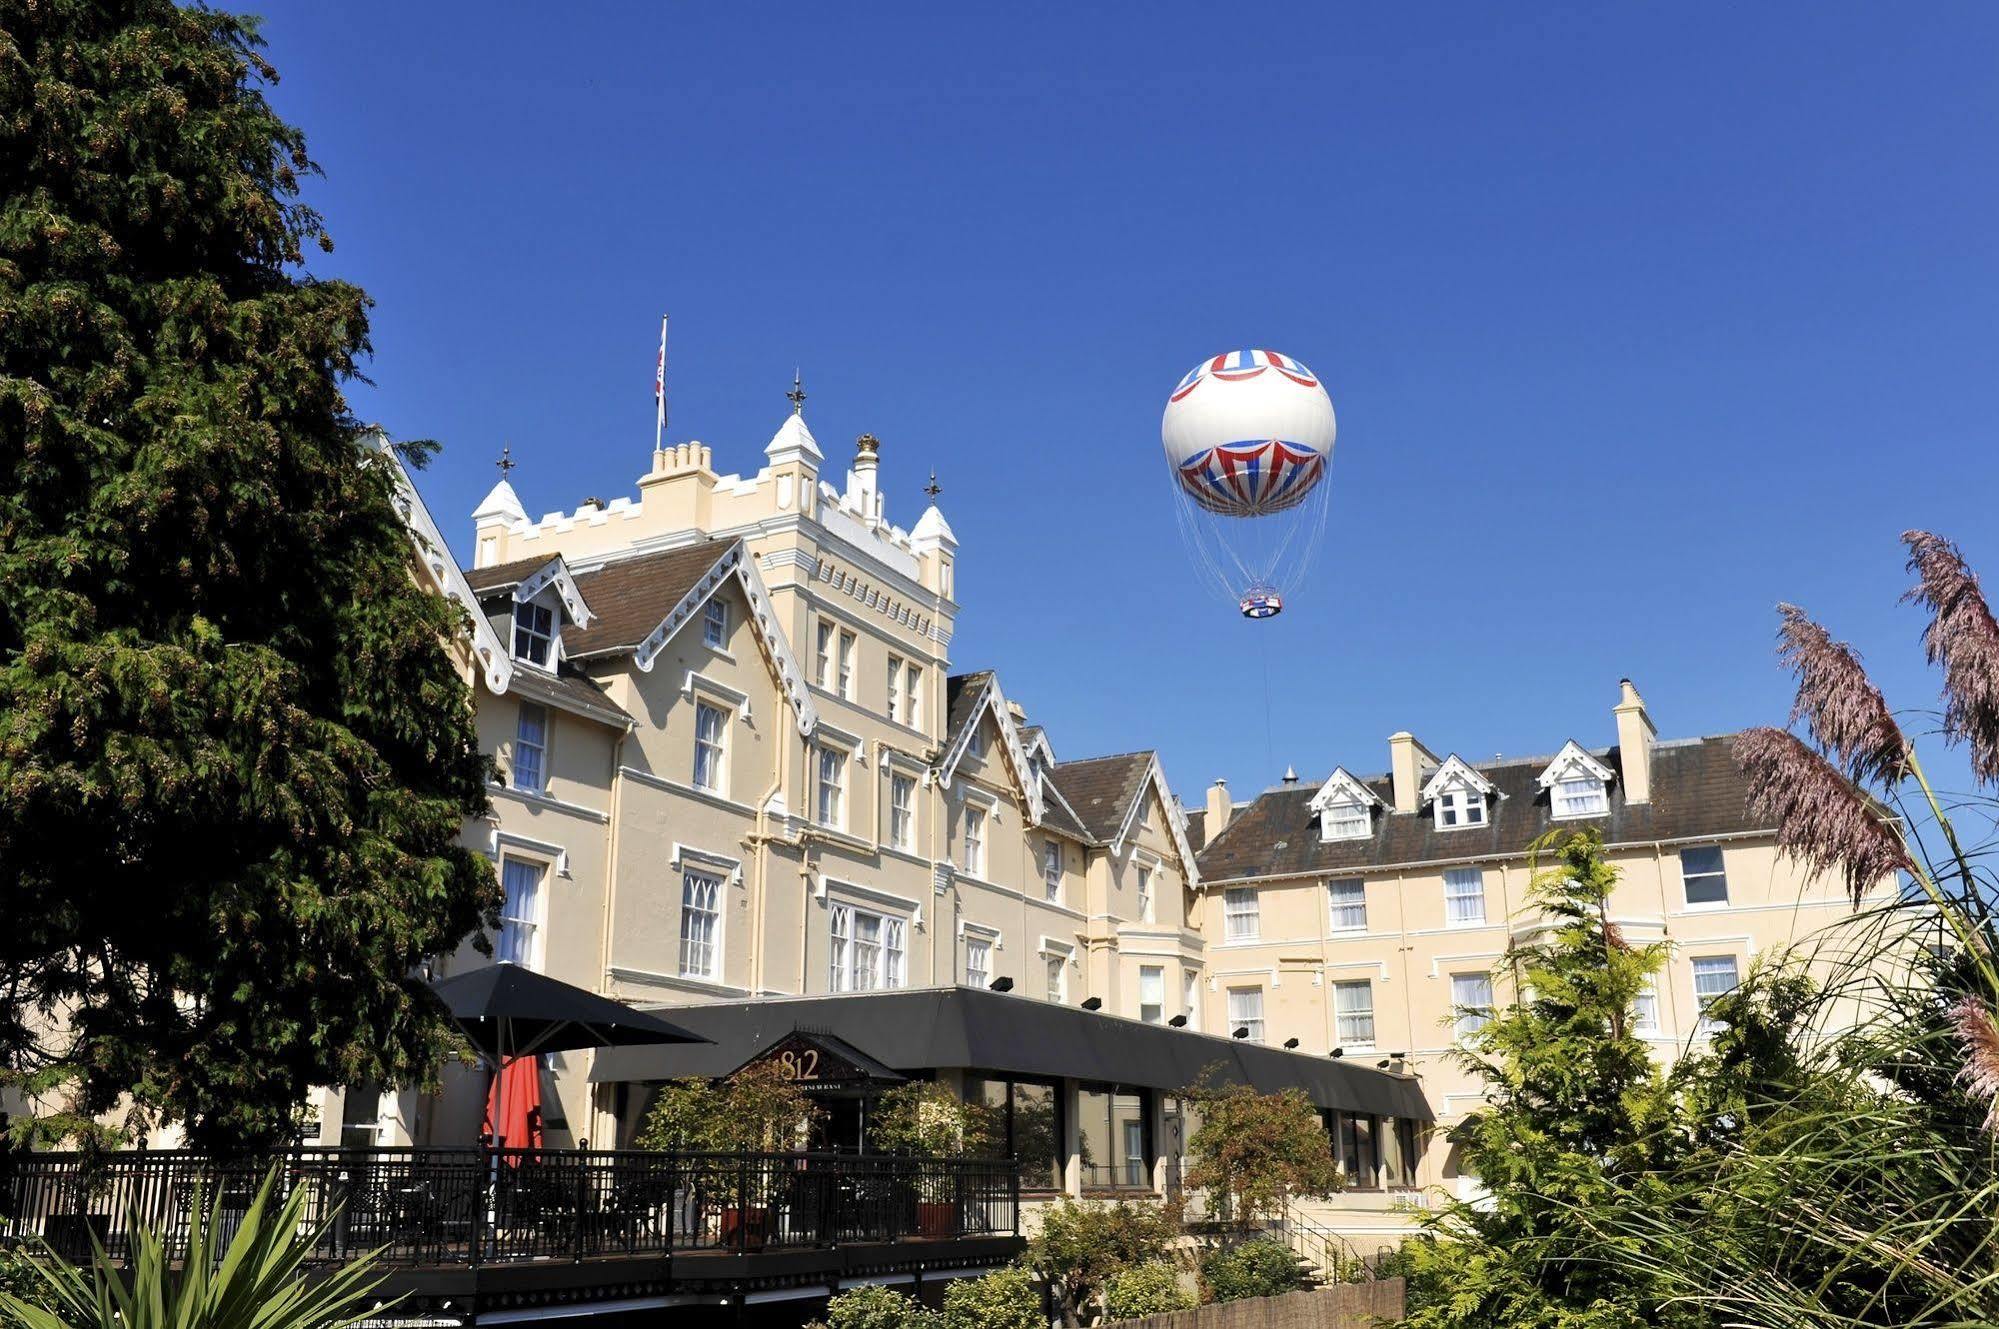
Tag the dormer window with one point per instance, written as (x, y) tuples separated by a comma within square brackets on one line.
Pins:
[(534, 633), (715, 624), (1460, 807), (975, 744), (1345, 807), (1348, 821), (1458, 795), (1582, 797), (1578, 784)]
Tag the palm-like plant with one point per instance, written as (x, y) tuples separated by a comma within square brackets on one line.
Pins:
[(253, 1279)]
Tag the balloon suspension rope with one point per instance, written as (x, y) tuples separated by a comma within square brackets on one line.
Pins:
[(1269, 758)]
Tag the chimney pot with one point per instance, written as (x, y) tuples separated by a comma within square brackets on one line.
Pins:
[(1220, 809)]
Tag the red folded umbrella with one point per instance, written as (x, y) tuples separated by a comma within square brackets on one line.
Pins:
[(513, 1106)]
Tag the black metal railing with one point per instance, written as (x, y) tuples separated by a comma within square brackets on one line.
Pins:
[(487, 1206)]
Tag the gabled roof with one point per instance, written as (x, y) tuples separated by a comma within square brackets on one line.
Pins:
[(567, 690), (1340, 787), (1697, 792), (642, 602), (971, 697), (1456, 771), (1106, 794), (1574, 762), (528, 577)]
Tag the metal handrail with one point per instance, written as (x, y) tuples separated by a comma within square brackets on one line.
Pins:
[(477, 1206)]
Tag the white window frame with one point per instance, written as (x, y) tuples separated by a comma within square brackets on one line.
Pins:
[(1051, 869), (1152, 983), (701, 955), (1190, 996), (1705, 1027), (1055, 972), (1687, 879), (519, 940), (1346, 819), (711, 754), (1578, 796), (829, 796), (1353, 1021), (1242, 914), (1245, 1008), (715, 624), (848, 649), (868, 950), (1471, 1010), (1147, 909), (1457, 899), (1459, 808), (912, 693), (975, 742), (901, 811), (973, 823), (529, 616), (822, 653), (895, 700), (1645, 1010), (1344, 896), (530, 777), (981, 974)]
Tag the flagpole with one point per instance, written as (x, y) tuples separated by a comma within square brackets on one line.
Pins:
[(659, 391)]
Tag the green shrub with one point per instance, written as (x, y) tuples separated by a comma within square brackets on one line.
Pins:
[(1152, 1288), (872, 1306), (1260, 1268), (1081, 1245), (1003, 1299)]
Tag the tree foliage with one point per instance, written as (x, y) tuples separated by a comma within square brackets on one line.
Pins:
[(756, 1110), (235, 752), (1574, 1106), (1006, 1298), (923, 1117), (1254, 1152), (1264, 1267), (1081, 1244), (1152, 1288)]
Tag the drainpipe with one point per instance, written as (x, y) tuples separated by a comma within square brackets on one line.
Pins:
[(593, 1095), (760, 863)]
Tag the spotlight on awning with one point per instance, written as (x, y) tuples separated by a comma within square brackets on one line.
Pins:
[(1001, 984), (1242, 1032), (1178, 1022), (1093, 1003), (1337, 1052), (1291, 1042)]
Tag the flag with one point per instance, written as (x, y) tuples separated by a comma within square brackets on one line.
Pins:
[(659, 388)]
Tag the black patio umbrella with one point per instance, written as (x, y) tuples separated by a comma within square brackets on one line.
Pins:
[(506, 1011)]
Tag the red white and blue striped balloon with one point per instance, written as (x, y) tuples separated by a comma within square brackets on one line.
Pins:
[(1249, 435)]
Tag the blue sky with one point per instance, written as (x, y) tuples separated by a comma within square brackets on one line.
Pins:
[(1638, 319)]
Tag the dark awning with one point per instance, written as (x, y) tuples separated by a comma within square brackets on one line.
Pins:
[(507, 1011), (925, 1029)]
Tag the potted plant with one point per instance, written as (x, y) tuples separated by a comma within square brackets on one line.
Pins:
[(924, 1119), (755, 1113)]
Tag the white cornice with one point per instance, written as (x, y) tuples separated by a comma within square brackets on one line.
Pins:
[(555, 573), (1175, 817), (992, 701)]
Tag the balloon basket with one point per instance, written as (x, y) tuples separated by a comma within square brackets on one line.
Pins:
[(1259, 602)]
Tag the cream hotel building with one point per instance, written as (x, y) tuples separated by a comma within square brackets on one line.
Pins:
[(740, 775)]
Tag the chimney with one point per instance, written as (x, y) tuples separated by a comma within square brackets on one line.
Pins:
[(1407, 762), (862, 492), (1635, 736), (1219, 809)]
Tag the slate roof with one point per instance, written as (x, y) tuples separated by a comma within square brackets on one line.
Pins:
[(633, 596), (1197, 829), (1101, 789), (569, 691), (503, 576), (1697, 791)]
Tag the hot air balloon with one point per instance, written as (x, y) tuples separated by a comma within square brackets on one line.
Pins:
[(1249, 435)]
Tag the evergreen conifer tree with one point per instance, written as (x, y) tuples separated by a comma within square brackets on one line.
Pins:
[(235, 753), (1575, 1107)]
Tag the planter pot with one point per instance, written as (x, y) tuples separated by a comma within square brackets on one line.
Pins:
[(745, 1228), (937, 1219)]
